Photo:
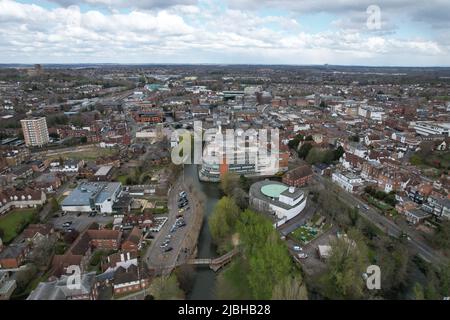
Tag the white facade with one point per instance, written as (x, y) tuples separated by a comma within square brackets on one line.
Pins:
[(346, 181), (432, 128)]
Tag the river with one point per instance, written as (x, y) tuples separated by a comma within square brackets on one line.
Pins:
[(205, 278)]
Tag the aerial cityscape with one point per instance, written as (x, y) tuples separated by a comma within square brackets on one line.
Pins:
[(223, 150)]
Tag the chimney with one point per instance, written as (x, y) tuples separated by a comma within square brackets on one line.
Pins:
[(122, 257), (128, 256), (291, 189)]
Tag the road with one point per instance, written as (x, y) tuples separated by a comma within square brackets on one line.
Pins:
[(155, 257), (387, 225)]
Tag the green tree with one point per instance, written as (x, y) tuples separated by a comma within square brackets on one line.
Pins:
[(291, 288), (228, 182), (418, 292), (166, 288), (223, 220), (304, 150), (345, 266)]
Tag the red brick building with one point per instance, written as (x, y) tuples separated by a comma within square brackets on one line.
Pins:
[(298, 177)]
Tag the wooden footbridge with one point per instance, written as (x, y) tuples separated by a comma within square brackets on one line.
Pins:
[(214, 263)]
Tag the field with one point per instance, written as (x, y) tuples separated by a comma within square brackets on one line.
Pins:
[(13, 221)]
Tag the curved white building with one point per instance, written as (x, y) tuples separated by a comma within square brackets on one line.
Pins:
[(278, 199)]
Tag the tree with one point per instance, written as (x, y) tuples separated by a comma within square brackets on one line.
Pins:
[(54, 204), (43, 251), (441, 237), (166, 288), (185, 275), (304, 150), (345, 266), (228, 182), (268, 257), (418, 292), (223, 220), (291, 288), (338, 153)]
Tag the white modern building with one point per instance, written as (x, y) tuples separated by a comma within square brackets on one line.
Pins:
[(371, 112), (427, 128), (93, 196), (278, 199), (347, 181)]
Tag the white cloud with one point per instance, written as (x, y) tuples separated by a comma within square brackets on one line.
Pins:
[(186, 33)]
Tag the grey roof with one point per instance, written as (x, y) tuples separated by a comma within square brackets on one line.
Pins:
[(103, 170), (98, 191), (58, 289)]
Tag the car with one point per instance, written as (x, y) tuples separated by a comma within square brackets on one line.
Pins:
[(188, 208), (67, 224), (163, 245), (181, 210), (70, 229), (173, 229), (182, 224), (297, 248), (92, 214), (104, 215), (179, 216), (302, 255), (168, 249), (169, 236), (182, 194), (78, 214)]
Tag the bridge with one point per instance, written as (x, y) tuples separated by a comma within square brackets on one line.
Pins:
[(215, 263)]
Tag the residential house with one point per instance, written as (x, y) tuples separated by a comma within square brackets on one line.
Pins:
[(13, 255)]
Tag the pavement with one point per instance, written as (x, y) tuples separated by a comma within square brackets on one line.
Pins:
[(155, 257)]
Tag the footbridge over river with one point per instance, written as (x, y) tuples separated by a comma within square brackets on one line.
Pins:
[(214, 263)]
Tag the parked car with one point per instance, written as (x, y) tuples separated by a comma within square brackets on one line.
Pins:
[(163, 245), (302, 255), (297, 248), (67, 224), (182, 194), (168, 249)]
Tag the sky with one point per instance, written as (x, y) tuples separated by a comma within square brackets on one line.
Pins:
[(298, 32)]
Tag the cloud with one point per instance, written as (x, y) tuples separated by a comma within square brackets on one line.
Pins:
[(189, 33), (135, 4)]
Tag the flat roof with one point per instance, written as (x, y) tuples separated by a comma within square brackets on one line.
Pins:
[(273, 190)]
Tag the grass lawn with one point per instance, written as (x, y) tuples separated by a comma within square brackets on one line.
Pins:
[(12, 220)]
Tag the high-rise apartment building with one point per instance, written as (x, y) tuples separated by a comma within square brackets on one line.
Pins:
[(35, 131)]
